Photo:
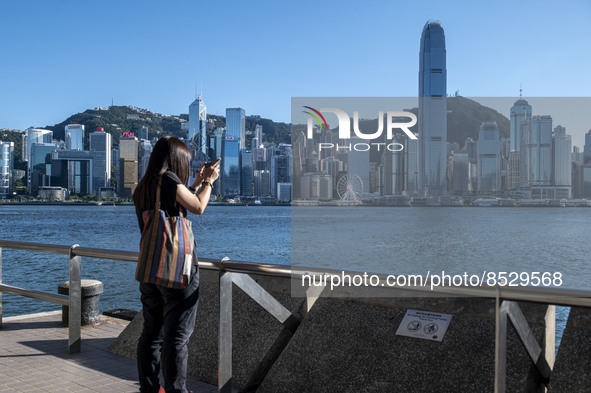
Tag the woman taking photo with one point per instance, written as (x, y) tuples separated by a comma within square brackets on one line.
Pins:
[(169, 308)]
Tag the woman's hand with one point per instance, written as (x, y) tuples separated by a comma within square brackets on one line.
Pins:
[(196, 203), (205, 173), (212, 172)]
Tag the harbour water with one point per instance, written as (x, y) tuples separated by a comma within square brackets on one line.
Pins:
[(244, 233), (386, 240)]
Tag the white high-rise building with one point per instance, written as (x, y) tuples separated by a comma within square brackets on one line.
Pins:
[(6, 167), (75, 137), (258, 133), (34, 135)]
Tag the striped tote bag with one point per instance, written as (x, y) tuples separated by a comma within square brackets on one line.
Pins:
[(166, 248)]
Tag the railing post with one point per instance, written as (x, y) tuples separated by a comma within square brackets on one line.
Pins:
[(75, 300), (500, 345), (550, 336), (225, 332), (0, 291)]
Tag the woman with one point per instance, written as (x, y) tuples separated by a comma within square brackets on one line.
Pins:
[(169, 314)]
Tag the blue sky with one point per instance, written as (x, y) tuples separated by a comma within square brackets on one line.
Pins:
[(58, 58)]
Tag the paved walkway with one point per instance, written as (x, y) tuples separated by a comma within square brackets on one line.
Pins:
[(34, 358)]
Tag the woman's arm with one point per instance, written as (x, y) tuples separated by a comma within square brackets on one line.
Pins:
[(197, 202)]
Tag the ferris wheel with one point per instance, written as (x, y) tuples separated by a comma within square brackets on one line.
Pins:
[(350, 187)]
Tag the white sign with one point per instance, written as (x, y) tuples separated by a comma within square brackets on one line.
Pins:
[(424, 324)]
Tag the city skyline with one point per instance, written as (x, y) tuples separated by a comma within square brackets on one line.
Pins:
[(112, 69)]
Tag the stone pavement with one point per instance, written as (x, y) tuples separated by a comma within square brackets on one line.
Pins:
[(34, 358)]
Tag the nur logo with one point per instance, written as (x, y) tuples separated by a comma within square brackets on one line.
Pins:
[(392, 123)]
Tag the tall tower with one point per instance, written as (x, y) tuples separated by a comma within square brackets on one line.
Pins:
[(520, 112), (432, 111), (198, 126)]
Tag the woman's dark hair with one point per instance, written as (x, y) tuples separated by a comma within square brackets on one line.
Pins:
[(169, 154)]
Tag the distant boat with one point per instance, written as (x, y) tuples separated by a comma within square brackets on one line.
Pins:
[(486, 202)]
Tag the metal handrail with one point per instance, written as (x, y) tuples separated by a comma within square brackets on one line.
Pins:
[(229, 274), (546, 295), (74, 298)]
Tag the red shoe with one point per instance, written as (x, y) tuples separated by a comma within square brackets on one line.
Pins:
[(161, 390)]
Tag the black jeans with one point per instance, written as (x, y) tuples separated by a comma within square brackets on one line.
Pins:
[(169, 320)]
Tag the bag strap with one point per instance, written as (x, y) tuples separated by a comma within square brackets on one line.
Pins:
[(155, 217), (157, 203)]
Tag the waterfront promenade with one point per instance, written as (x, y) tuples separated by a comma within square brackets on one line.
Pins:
[(34, 358)]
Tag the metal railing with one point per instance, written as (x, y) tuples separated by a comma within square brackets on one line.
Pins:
[(236, 272)]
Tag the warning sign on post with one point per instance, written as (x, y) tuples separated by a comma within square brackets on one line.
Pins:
[(424, 324)]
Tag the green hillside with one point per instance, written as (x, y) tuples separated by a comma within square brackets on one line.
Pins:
[(115, 121), (464, 117)]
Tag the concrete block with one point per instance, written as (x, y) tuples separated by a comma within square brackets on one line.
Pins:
[(350, 345), (573, 361)]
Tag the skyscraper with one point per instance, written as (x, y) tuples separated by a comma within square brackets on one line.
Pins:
[(536, 152), (233, 144), (236, 125), (230, 171), (40, 165), (489, 158), (198, 126), (246, 172), (587, 148), (73, 170), (33, 135), (460, 179), (561, 157), (143, 133), (432, 111), (74, 137), (6, 167), (101, 145), (258, 133), (144, 152), (128, 166), (358, 164), (520, 112)]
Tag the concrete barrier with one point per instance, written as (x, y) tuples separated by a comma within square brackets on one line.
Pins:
[(573, 362), (350, 345), (91, 291)]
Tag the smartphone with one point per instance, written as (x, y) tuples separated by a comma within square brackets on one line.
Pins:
[(208, 164)]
